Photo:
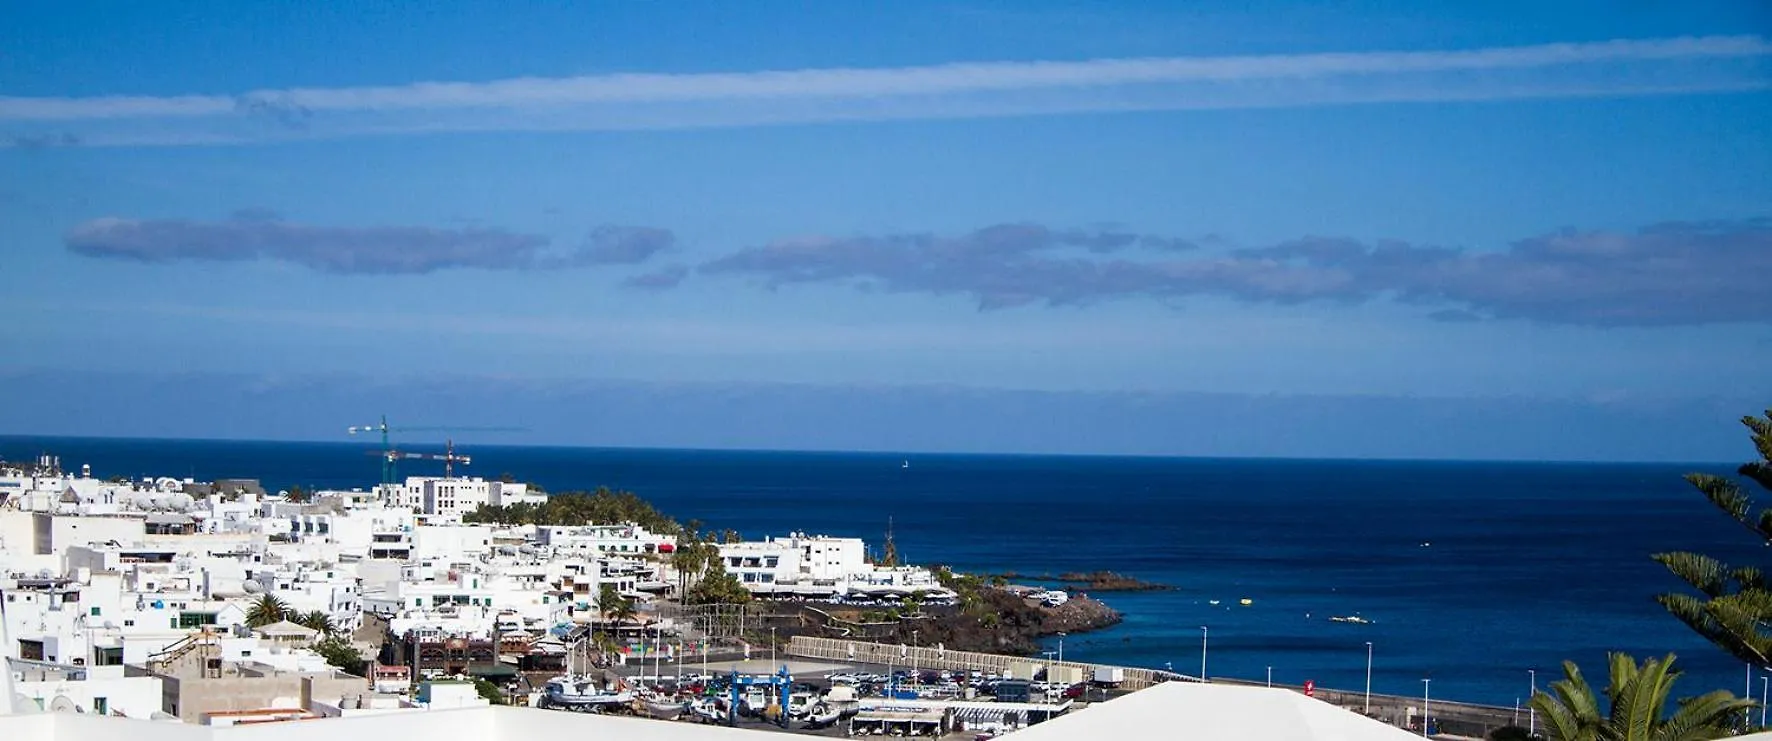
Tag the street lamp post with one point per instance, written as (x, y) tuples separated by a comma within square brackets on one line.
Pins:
[(1368, 677), (772, 649), (1763, 693), (1270, 676), (1424, 714), (1202, 653), (1532, 710), (916, 675)]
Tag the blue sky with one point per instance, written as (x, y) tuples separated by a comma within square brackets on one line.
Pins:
[(1548, 217)]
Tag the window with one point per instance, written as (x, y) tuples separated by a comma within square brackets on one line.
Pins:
[(191, 619), (94, 612), (129, 623)]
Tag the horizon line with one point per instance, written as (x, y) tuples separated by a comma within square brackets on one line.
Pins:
[(884, 452)]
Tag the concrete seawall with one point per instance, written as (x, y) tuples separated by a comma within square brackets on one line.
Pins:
[(1451, 718), (838, 649)]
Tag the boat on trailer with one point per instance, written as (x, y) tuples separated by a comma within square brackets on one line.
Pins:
[(579, 694)]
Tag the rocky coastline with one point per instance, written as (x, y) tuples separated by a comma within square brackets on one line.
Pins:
[(998, 620), (1093, 581)]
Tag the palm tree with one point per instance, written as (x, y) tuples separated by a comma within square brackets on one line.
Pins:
[(623, 611), (317, 620), (1733, 606), (1636, 700), (266, 610)]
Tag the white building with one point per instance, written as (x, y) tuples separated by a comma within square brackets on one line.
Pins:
[(94, 690), (819, 566), (505, 494), (604, 540)]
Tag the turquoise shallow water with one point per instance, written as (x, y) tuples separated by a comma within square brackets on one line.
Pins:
[(1472, 572)]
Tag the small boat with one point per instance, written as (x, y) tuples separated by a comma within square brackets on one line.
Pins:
[(823, 715), (1355, 619), (1212, 602), (579, 693), (906, 464), (1246, 602), (660, 709), (707, 711)]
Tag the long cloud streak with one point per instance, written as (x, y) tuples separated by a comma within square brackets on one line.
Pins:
[(374, 250), (1666, 274), (631, 101)]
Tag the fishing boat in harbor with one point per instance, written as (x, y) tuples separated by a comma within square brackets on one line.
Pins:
[(580, 694)]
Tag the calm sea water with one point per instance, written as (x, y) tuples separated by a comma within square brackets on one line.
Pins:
[(1473, 572)]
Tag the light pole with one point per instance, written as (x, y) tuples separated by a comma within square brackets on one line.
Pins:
[(1061, 635), (772, 649), (1532, 710), (1270, 676), (1763, 693), (1424, 715), (1368, 677), (1202, 653)]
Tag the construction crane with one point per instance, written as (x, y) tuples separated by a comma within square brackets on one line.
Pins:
[(448, 457), (390, 455)]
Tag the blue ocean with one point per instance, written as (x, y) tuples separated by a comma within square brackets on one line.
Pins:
[(1473, 573)]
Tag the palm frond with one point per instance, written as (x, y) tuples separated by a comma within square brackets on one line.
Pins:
[(1707, 716), (1723, 493), (1749, 577), (1704, 573)]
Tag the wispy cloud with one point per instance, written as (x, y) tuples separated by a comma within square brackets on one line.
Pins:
[(644, 101), (625, 245), (257, 234), (661, 279), (1667, 274)]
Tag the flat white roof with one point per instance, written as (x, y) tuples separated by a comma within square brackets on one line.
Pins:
[(1173, 710), (1189, 710)]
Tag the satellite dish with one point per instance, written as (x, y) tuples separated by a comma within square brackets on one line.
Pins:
[(61, 704), (251, 587)]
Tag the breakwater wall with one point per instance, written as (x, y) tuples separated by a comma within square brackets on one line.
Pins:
[(931, 657), (1450, 718)]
